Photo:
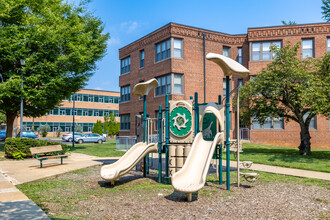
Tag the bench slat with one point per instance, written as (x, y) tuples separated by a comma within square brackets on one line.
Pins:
[(52, 157), (45, 149)]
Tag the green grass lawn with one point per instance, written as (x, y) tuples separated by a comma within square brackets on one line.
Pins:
[(107, 149), (285, 157)]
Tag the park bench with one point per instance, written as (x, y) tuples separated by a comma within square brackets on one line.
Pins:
[(36, 151)]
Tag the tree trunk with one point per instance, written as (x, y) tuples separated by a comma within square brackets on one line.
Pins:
[(305, 140), (11, 116)]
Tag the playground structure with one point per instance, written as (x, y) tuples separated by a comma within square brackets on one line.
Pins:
[(194, 134)]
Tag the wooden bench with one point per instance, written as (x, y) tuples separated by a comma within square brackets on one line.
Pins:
[(47, 149)]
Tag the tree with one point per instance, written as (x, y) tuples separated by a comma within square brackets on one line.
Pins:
[(78, 128), (58, 131), (111, 124), (291, 88), (326, 10), (289, 23), (60, 44), (97, 128), (44, 129)]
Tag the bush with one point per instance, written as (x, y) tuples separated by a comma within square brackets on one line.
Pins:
[(58, 131), (44, 129), (19, 148), (78, 128), (98, 128)]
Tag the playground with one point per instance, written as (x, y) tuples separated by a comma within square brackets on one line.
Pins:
[(185, 173), (84, 194)]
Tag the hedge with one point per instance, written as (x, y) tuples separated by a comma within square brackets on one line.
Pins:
[(19, 148)]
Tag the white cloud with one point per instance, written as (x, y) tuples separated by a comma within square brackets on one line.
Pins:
[(98, 88), (106, 83), (129, 26), (114, 41)]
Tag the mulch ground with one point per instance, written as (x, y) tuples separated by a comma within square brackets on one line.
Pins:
[(86, 195)]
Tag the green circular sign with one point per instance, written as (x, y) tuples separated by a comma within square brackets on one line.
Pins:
[(180, 121)]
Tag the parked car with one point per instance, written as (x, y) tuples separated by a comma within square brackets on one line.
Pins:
[(2, 135), (90, 138), (27, 134), (68, 136)]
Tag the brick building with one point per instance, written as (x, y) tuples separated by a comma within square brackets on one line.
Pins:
[(90, 106), (174, 54)]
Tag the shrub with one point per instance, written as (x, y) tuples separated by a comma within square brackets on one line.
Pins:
[(58, 131), (98, 128), (19, 148), (44, 129), (78, 128)]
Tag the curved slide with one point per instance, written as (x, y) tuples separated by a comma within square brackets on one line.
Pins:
[(192, 176), (128, 161)]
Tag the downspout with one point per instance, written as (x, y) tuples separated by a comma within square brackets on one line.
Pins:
[(204, 76)]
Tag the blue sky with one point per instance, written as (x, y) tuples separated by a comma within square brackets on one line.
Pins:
[(127, 21)]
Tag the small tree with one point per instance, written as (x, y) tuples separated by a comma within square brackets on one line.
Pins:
[(112, 125), (291, 88), (326, 10), (44, 129), (58, 131), (97, 128), (78, 128)]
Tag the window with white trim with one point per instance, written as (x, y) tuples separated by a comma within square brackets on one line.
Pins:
[(313, 122), (125, 65), (177, 48), (125, 93), (169, 86), (328, 44), (261, 50), (270, 123), (307, 48)]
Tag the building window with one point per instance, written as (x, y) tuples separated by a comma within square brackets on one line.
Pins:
[(125, 65), (240, 55), (62, 112), (312, 124), (141, 58), (307, 48), (163, 50), (177, 48), (270, 123), (125, 122), (224, 86), (125, 93), (178, 84), (164, 85), (226, 51), (261, 50), (328, 44)]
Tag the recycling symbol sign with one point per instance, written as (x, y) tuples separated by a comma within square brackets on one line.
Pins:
[(180, 121)]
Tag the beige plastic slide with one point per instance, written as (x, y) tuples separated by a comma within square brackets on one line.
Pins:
[(192, 176), (128, 161)]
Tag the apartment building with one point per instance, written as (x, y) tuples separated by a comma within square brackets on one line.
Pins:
[(90, 106), (175, 55)]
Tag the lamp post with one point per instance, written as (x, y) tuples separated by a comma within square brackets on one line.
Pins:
[(21, 116), (73, 124)]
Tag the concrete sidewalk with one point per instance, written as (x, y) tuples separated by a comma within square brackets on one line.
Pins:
[(13, 203), (284, 171)]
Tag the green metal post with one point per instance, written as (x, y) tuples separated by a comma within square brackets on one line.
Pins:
[(220, 149), (144, 133), (227, 135), (160, 144), (196, 114), (167, 137)]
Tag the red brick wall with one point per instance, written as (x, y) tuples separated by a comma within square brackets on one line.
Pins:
[(192, 67)]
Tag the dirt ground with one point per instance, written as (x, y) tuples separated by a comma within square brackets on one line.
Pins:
[(85, 195)]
